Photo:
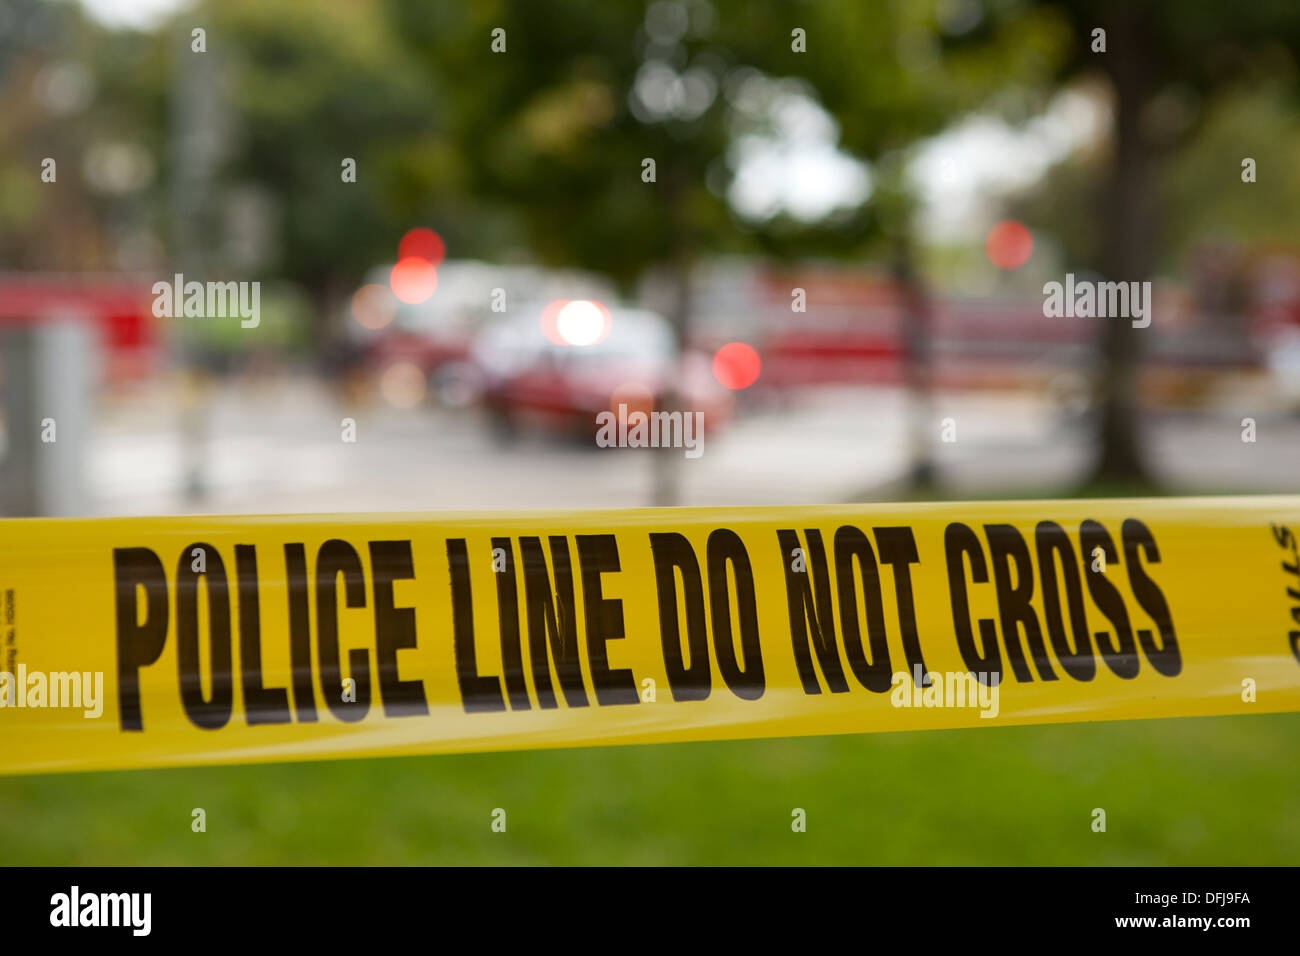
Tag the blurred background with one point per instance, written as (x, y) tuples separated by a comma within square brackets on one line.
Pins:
[(838, 254)]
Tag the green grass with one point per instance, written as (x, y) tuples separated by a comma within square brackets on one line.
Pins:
[(1199, 791)]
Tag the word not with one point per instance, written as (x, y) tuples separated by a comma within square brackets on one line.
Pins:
[(1101, 300), (66, 689), (212, 300), (652, 430)]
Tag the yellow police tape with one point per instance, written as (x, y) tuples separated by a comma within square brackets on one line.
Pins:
[(170, 641)]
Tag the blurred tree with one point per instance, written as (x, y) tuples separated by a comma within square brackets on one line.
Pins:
[(256, 123), (1163, 59), (52, 106), (1259, 119), (557, 122), (311, 85)]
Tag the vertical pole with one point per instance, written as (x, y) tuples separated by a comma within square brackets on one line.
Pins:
[(49, 370)]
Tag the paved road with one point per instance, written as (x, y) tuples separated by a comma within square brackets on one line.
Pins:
[(278, 448)]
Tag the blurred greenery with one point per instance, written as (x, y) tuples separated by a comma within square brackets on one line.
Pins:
[(1160, 60), (535, 153), (552, 135), (1195, 791)]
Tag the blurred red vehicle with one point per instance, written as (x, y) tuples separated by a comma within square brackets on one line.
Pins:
[(435, 335), (526, 377)]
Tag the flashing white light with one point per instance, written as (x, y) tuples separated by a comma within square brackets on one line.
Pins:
[(582, 323)]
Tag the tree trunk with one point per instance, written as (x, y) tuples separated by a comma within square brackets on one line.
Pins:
[(1129, 228)]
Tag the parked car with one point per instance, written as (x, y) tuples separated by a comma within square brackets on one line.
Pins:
[(526, 377), (434, 335)]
